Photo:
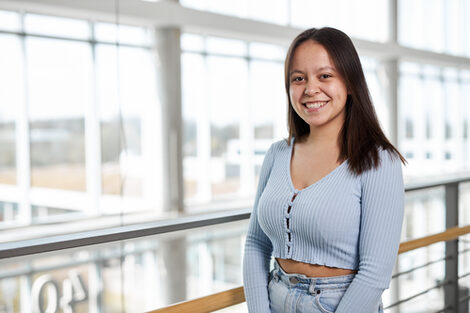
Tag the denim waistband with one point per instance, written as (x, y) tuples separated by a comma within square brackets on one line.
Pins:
[(302, 281)]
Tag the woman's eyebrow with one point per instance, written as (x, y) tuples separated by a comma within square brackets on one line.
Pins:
[(323, 68), (295, 72)]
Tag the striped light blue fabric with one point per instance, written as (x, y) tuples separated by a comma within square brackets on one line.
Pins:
[(343, 220)]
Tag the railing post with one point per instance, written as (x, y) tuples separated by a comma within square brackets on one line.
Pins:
[(451, 290)]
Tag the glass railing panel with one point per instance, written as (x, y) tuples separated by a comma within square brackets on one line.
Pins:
[(129, 276), (464, 272), (420, 279)]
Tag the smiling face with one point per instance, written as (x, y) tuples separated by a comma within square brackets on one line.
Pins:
[(317, 92)]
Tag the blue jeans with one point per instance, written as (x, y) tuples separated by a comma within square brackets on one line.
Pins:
[(297, 293)]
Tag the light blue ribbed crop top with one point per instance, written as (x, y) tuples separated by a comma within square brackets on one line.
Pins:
[(343, 220)]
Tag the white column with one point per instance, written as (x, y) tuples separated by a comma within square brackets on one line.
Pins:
[(174, 283), (169, 85), (393, 21)]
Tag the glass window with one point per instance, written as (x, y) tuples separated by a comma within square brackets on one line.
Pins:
[(353, 17), (376, 81), (11, 100), (196, 142), (59, 92), (267, 51), (191, 42), (410, 128), (436, 25), (9, 21), (271, 11), (465, 26), (233, 109), (56, 26), (268, 108), (122, 97), (226, 46), (433, 112), (454, 30), (451, 102), (107, 32), (64, 89), (227, 101)]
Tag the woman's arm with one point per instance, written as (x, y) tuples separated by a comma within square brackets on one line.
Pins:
[(258, 249), (382, 207)]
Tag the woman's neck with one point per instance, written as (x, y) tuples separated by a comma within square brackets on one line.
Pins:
[(324, 137)]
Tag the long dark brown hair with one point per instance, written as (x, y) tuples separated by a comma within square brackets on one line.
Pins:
[(361, 135)]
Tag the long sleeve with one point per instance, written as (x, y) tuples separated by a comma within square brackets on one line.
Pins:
[(382, 207), (258, 249)]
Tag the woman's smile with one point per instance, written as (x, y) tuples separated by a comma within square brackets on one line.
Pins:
[(314, 106)]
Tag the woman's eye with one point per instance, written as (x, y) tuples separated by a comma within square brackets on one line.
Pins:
[(325, 76), (297, 79)]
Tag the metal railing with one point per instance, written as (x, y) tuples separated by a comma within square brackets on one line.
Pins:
[(234, 296)]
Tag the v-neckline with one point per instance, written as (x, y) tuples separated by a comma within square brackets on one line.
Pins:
[(289, 176)]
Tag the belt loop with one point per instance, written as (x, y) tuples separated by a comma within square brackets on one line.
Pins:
[(311, 287), (276, 277)]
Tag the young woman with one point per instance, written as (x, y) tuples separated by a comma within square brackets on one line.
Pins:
[(330, 199)]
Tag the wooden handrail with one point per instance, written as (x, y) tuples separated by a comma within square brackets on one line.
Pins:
[(235, 296), (210, 303), (449, 234)]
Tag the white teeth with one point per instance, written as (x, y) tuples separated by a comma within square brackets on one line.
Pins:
[(315, 105)]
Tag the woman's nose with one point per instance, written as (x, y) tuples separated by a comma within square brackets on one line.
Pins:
[(311, 89)]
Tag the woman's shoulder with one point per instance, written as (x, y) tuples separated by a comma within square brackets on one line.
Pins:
[(389, 161), (388, 156), (279, 146)]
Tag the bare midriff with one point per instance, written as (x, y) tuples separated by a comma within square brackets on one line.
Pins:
[(312, 270)]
